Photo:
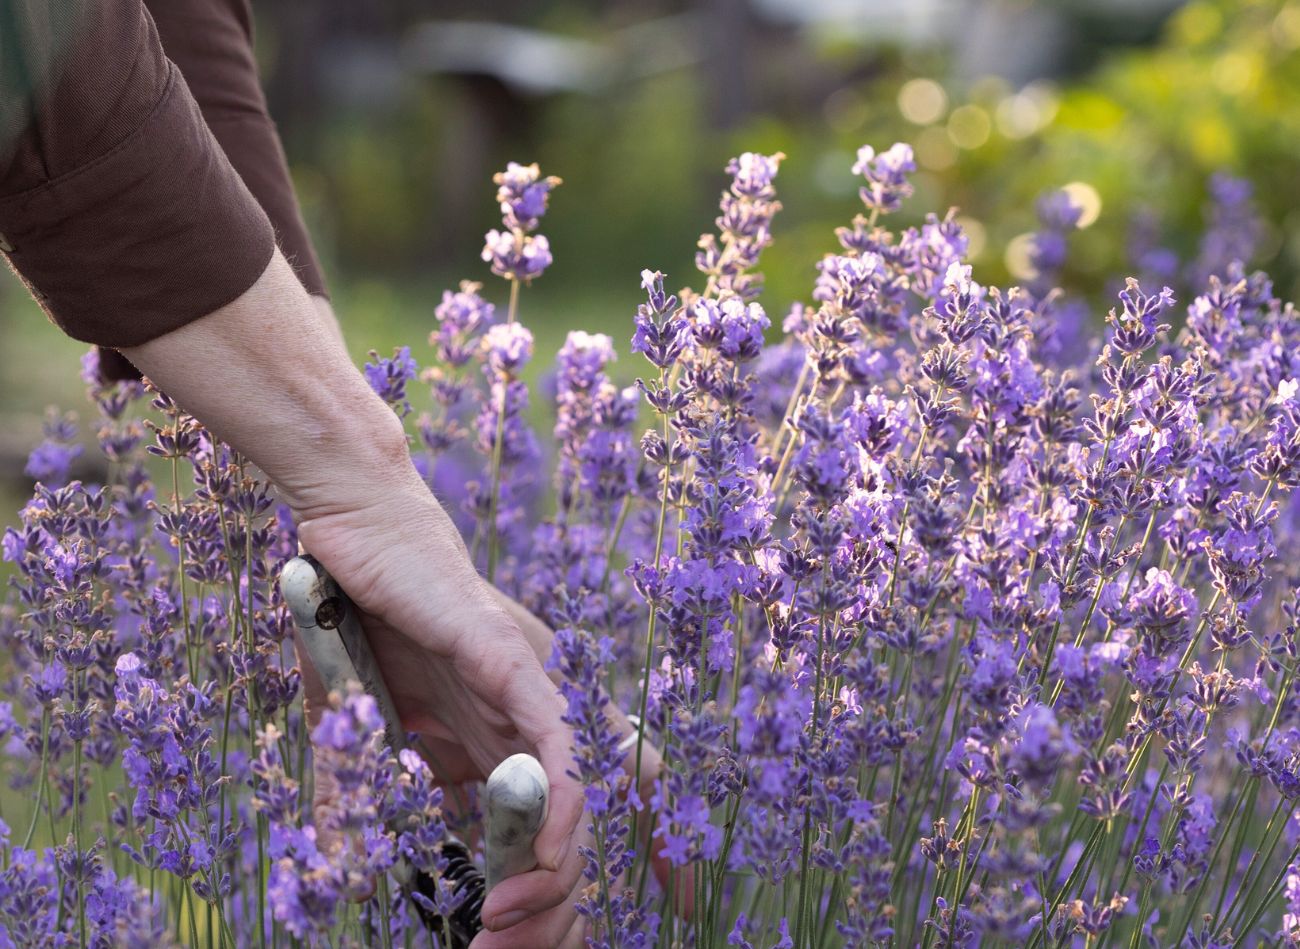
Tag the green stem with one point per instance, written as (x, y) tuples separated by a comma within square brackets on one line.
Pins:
[(498, 448), (1269, 895), (76, 836), (1082, 867), (648, 658), (41, 780), (1233, 913)]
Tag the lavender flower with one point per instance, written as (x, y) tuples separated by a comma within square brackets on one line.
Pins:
[(388, 377), (744, 224), (515, 253), (310, 882), (51, 460), (522, 193), (462, 316), (517, 256), (886, 173), (950, 627), (616, 918)]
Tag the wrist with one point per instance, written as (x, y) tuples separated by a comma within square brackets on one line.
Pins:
[(268, 375), (358, 458)]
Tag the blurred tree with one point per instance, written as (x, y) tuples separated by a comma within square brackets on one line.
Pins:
[(1144, 108)]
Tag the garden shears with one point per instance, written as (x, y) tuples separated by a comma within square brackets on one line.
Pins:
[(516, 791)]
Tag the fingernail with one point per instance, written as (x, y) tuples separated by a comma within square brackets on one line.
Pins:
[(506, 920)]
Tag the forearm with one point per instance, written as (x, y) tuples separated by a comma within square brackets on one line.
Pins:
[(268, 374)]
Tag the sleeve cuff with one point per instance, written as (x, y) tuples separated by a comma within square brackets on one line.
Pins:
[(152, 235)]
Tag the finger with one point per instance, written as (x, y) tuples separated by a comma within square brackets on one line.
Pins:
[(497, 664), (576, 937), (554, 928), (642, 760), (538, 635), (549, 885), (501, 667), (315, 698), (536, 709), (555, 841), (532, 894)]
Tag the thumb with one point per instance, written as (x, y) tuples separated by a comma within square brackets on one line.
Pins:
[(325, 790), (314, 697), (337, 847)]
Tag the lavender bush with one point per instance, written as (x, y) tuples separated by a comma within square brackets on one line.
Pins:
[(952, 626)]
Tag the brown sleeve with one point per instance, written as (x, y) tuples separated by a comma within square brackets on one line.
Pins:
[(117, 206), (211, 42)]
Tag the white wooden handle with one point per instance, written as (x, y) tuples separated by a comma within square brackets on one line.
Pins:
[(331, 632), (517, 795)]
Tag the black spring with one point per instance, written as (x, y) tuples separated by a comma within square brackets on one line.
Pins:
[(465, 877)]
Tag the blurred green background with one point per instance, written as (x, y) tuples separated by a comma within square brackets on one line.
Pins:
[(395, 113)]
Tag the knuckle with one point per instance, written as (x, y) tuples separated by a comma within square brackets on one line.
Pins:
[(512, 672)]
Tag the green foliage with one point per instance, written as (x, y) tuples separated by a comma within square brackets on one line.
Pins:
[(1146, 129), (1219, 90)]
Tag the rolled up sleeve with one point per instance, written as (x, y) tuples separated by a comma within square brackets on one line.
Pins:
[(118, 208), (211, 42)]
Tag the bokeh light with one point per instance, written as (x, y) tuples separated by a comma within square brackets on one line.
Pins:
[(969, 126), (1085, 197), (922, 101), (1018, 257), (1027, 111)]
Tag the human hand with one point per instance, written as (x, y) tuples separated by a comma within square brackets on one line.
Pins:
[(268, 375), (431, 702), (461, 672)]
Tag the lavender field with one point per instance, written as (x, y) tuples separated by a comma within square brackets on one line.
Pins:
[(957, 617)]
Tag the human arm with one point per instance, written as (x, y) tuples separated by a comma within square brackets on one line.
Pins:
[(132, 229), (264, 375)]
